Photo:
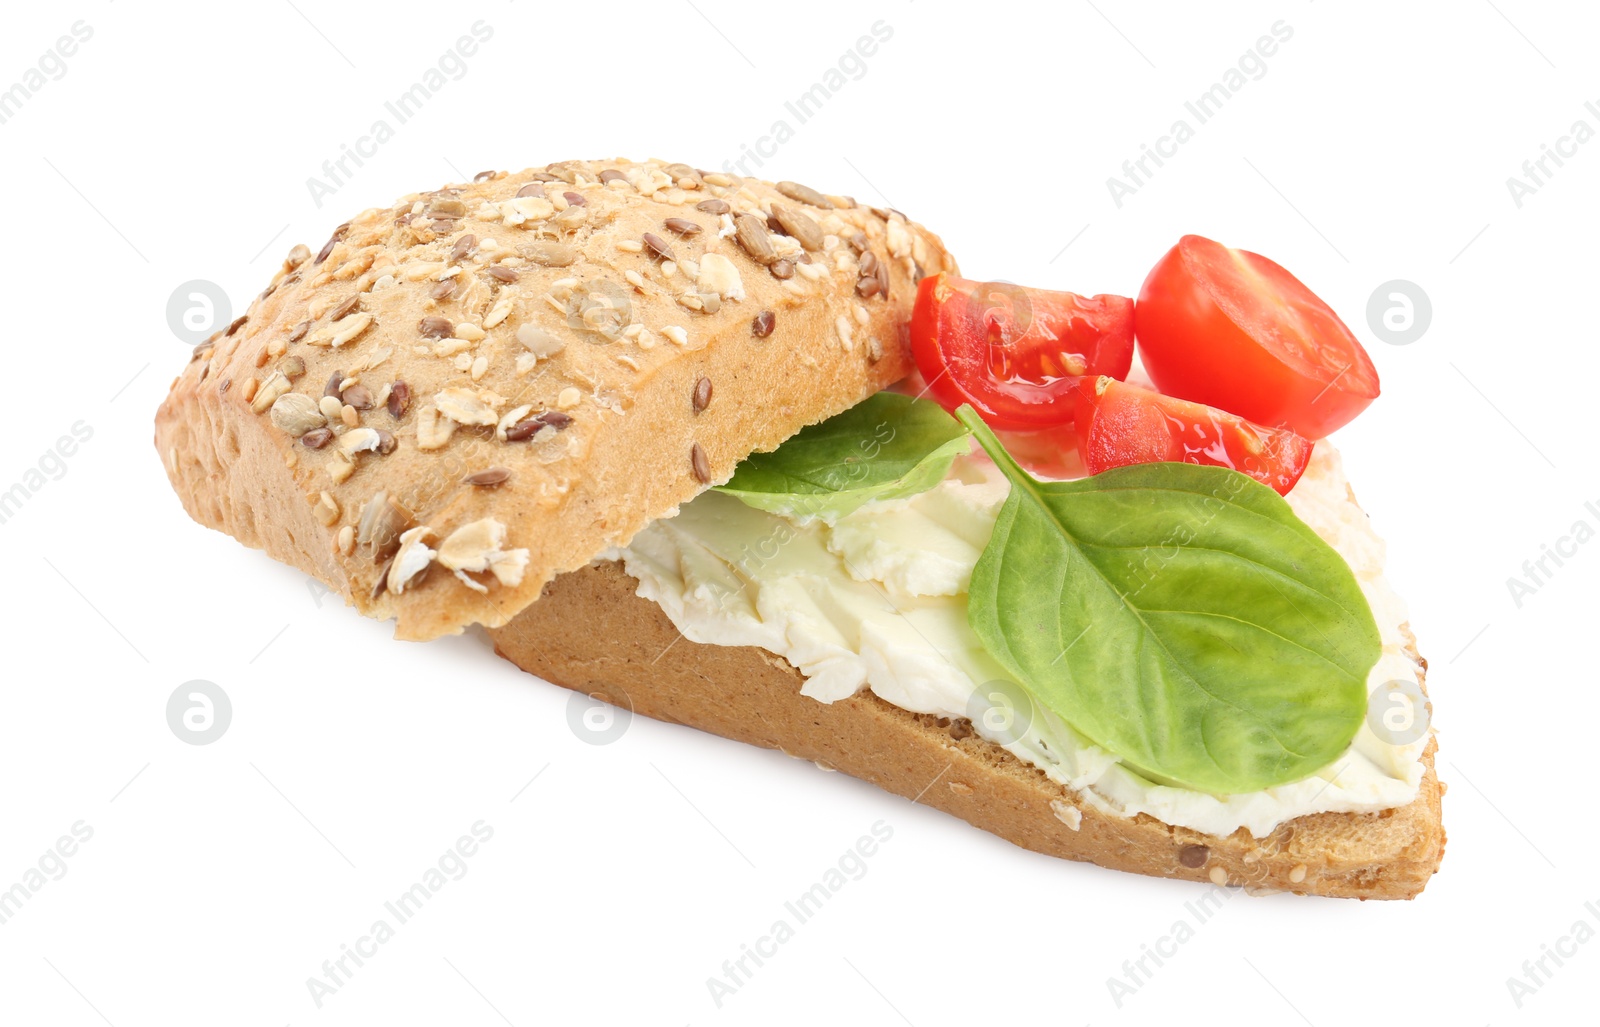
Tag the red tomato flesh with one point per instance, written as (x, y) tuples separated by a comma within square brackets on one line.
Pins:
[(1120, 424), (1016, 354), (1231, 329)]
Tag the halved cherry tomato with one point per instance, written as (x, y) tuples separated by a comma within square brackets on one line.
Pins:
[(1016, 354), (1231, 329), (1120, 424)]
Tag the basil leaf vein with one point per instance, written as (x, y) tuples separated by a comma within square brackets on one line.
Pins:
[(886, 447), (1180, 616)]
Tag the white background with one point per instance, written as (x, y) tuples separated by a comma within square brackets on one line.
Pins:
[(220, 877)]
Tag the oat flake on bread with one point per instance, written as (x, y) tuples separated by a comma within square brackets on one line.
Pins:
[(557, 330)]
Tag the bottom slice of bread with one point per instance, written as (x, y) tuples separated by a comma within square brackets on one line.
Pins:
[(591, 633)]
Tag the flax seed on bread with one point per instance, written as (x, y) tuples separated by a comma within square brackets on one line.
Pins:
[(461, 399), (553, 325)]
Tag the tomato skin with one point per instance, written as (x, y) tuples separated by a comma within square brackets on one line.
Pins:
[(1016, 354), (1121, 424), (1231, 329)]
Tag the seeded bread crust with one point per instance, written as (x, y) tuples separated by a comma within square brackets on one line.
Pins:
[(593, 634), (478, 388)]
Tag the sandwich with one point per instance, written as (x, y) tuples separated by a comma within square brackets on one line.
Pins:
[(754, 458)]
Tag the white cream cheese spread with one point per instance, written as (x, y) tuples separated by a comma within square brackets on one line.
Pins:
[(877, 600)]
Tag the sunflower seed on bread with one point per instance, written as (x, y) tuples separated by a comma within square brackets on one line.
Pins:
[(488, 296)]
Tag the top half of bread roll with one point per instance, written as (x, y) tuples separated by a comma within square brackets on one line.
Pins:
[(478, 388)]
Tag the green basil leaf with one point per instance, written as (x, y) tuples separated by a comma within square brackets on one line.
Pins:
[(1181, 617), (885, 447)]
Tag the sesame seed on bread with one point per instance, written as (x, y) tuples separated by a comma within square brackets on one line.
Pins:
[(476, 389)]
